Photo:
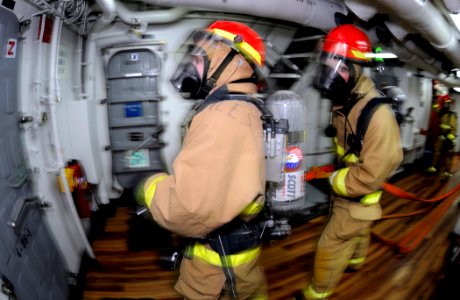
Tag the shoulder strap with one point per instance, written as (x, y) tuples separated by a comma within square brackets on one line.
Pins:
[(356, 142)]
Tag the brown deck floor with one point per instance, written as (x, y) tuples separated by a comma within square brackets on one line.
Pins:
[(393, 270)]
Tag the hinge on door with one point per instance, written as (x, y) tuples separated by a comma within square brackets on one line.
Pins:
[(73, 278), (26, 119), (8, 288)]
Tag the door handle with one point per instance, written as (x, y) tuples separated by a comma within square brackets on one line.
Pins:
[(21, 206)]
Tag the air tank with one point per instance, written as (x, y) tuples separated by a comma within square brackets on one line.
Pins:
[(287, 197)]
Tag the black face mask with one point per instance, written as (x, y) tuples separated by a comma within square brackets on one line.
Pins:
[(332, 86), (188, 82)]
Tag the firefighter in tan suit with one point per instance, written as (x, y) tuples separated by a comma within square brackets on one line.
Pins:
[(442, 131), (445, 143), (357, 182), (218, 179)]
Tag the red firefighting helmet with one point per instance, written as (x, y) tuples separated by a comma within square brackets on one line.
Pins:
[(212, 46), (243, 38), (348, 42)]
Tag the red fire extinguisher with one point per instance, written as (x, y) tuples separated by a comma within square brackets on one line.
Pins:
[(79, 187)]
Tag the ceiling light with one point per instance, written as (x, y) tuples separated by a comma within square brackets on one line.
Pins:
[(456, 19)]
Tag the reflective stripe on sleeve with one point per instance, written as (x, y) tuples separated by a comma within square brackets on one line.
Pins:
[(371, 198), (356, 261), (252, 208), (212, 257), (151, 188), (338, 182), (351, 158)]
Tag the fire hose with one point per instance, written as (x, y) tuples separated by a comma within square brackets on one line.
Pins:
[(414, 236)]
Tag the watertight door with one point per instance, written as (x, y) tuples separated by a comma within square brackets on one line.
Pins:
[(31, 266), (133, 109)]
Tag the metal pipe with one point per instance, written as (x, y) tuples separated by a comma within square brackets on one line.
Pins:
[(320, 13), (149, 17), (108, 14), (417, 16)]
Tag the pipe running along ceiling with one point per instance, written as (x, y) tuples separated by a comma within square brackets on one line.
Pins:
[(418, 31)]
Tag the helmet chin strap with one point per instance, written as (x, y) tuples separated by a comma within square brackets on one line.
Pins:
[(211, 82)]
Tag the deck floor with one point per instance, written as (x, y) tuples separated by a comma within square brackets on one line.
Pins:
[(406, 259)]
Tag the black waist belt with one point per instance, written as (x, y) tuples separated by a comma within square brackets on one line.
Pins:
[(352, 199), (236, 235), (233, 237)]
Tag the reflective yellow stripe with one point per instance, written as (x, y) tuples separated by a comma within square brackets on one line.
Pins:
[(259, 298), (242, 45), (359, 54), (371, 198), (355, 261), (310, 293), (450, 136), (339, 149), (232, 260), (351, 158), (445, 126), (338, 184), (252, 208), (151, 188)]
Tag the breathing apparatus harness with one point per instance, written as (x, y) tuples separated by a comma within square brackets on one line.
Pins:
[(238, 235), (211, 82), (355, 140), (275, 134)]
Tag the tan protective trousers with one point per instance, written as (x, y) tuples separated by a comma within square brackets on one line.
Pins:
[(442, 156), (344, 242), (200, 280)]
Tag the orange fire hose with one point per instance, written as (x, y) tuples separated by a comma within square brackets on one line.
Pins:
[(392, 189), (419, 231)]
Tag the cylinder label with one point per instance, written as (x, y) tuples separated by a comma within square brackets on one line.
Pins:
[(293, 187)]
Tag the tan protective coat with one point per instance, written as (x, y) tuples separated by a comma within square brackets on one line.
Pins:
[(345, 240), (380, 156), (219, 171)]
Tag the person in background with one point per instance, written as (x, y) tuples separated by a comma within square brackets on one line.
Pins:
[(357, 180), (218, 181), (444, 142)]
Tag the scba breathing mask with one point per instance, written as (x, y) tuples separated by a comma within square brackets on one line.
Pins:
[(190, 73), (335, 79), (343, 52), (207, 55)]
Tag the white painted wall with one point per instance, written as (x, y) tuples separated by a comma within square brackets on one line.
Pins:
[(34, 70)]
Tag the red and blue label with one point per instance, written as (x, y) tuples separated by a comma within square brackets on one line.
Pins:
[(294, 158)]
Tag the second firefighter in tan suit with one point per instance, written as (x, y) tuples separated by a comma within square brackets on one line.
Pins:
[(218, 181), (445, 143), (356, 184)]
